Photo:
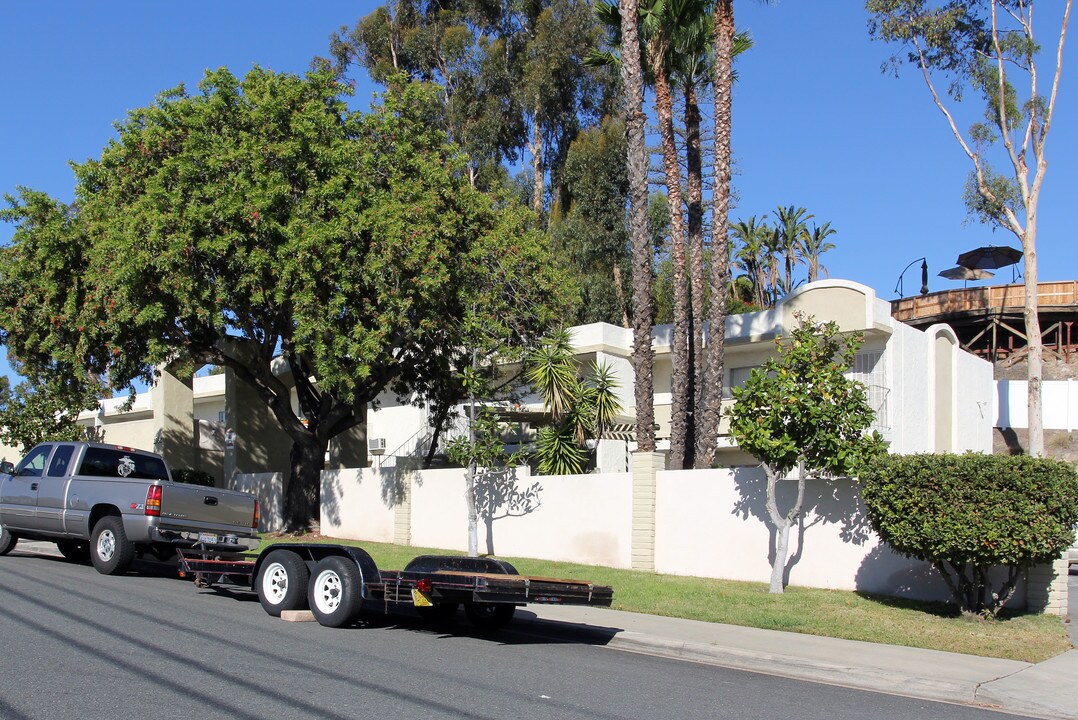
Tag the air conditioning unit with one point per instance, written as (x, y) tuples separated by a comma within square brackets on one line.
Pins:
[(376, 446)]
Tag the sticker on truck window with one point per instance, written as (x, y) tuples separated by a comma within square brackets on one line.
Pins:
[(126, 466)]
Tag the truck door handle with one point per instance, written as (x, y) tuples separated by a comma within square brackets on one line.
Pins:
[(210, 500), (33, 486)]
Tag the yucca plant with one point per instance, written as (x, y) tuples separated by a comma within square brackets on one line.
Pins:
[(579, 410)]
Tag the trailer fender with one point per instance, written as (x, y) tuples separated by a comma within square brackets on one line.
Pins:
[(311, 553)]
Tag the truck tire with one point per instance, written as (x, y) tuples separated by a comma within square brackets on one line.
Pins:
[(282, 582), (7, 540), (110, 550), (334, 591), (76, 551), (489, 616)]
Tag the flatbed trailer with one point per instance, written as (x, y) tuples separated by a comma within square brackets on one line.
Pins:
[(336, 582)]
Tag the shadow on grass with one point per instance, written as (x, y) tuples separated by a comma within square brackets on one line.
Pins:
[(938, 609)]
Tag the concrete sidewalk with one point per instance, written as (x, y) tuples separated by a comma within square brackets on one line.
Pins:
[(1048, 689)]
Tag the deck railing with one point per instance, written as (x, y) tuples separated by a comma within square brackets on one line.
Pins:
[(988, 298)]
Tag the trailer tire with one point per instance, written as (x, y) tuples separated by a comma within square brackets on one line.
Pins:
[(282, 582), (8, 540), (489, 616), (76, 551), (110, 550), (334, 591)]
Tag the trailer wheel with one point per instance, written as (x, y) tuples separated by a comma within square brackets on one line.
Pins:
[(76, 551), (334, 591), (7, 540), (110, 550), (282, 583), (489, 616)]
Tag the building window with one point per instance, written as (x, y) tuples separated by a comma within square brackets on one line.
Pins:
[(738, 377), (869, 370)]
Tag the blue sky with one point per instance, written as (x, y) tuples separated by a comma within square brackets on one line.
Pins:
[(816, 124)]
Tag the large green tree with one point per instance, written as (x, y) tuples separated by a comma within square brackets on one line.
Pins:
[(588, 223), (989, 47), (44, 408), (259, 220), (512, 75), (799, 412)]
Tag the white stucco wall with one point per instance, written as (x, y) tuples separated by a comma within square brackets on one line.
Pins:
[(358, 503), (712, 523), (581, 518), (1059, 398)]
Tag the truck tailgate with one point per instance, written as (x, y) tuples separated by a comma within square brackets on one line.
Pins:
[(207, 508)]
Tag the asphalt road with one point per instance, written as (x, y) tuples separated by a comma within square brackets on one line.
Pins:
[(76, 644)]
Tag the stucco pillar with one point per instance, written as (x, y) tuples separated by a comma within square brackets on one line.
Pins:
[(173, 403), (646, 466), (1046, 588), (402, 512)]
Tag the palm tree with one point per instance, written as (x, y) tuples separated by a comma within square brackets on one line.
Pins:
[(815, 244), (751, 239), (632, 77), (791, 230), (723, 83)]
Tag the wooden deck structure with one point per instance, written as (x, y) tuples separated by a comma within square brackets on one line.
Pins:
[(988, 320)]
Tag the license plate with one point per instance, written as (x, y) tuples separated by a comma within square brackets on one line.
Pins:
[(421, 599), (208, 538)]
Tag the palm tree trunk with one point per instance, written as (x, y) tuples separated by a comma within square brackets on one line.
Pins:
[(708, 426), (635, 125), (694, 164), (679, 373)]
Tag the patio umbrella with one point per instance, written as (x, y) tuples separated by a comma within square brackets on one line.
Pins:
[(965, 273), (989, 257)]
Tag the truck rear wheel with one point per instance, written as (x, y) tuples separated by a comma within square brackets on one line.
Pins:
[(334, 591), (7, 540), (282, 583), (76, 551), (489, 616), (110, 550)]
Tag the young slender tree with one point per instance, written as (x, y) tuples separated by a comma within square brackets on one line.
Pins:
[(800, 412), (991, 48)]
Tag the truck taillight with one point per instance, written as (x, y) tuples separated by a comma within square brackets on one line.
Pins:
[(254, 523), (153, 501)]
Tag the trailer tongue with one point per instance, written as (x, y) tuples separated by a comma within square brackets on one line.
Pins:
[(337, 581)]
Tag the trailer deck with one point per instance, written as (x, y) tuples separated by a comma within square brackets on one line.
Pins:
[(337, 581)]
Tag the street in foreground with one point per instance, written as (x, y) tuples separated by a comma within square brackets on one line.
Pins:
[(77, 644)]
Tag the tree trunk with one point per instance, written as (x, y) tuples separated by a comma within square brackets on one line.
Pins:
[(708, 414), (695, 177), (302, 491), (680, 370), (782, 522), (619, 292), (537, 169), (637, 161), (1035, 350)]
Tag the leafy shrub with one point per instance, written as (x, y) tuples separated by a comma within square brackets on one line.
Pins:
[(193, 477), (966, 514)]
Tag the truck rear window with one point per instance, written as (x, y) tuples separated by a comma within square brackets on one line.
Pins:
[(106, 462)]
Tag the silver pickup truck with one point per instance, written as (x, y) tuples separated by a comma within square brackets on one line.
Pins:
[(107, 503)]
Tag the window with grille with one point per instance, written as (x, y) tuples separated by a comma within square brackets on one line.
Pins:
[(868, 369)]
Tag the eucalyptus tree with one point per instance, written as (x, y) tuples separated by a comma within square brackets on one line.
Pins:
[(259, 221), (589, 227), (989, 47)]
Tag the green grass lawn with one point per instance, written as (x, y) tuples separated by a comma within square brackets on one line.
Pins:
[(831, 613)]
